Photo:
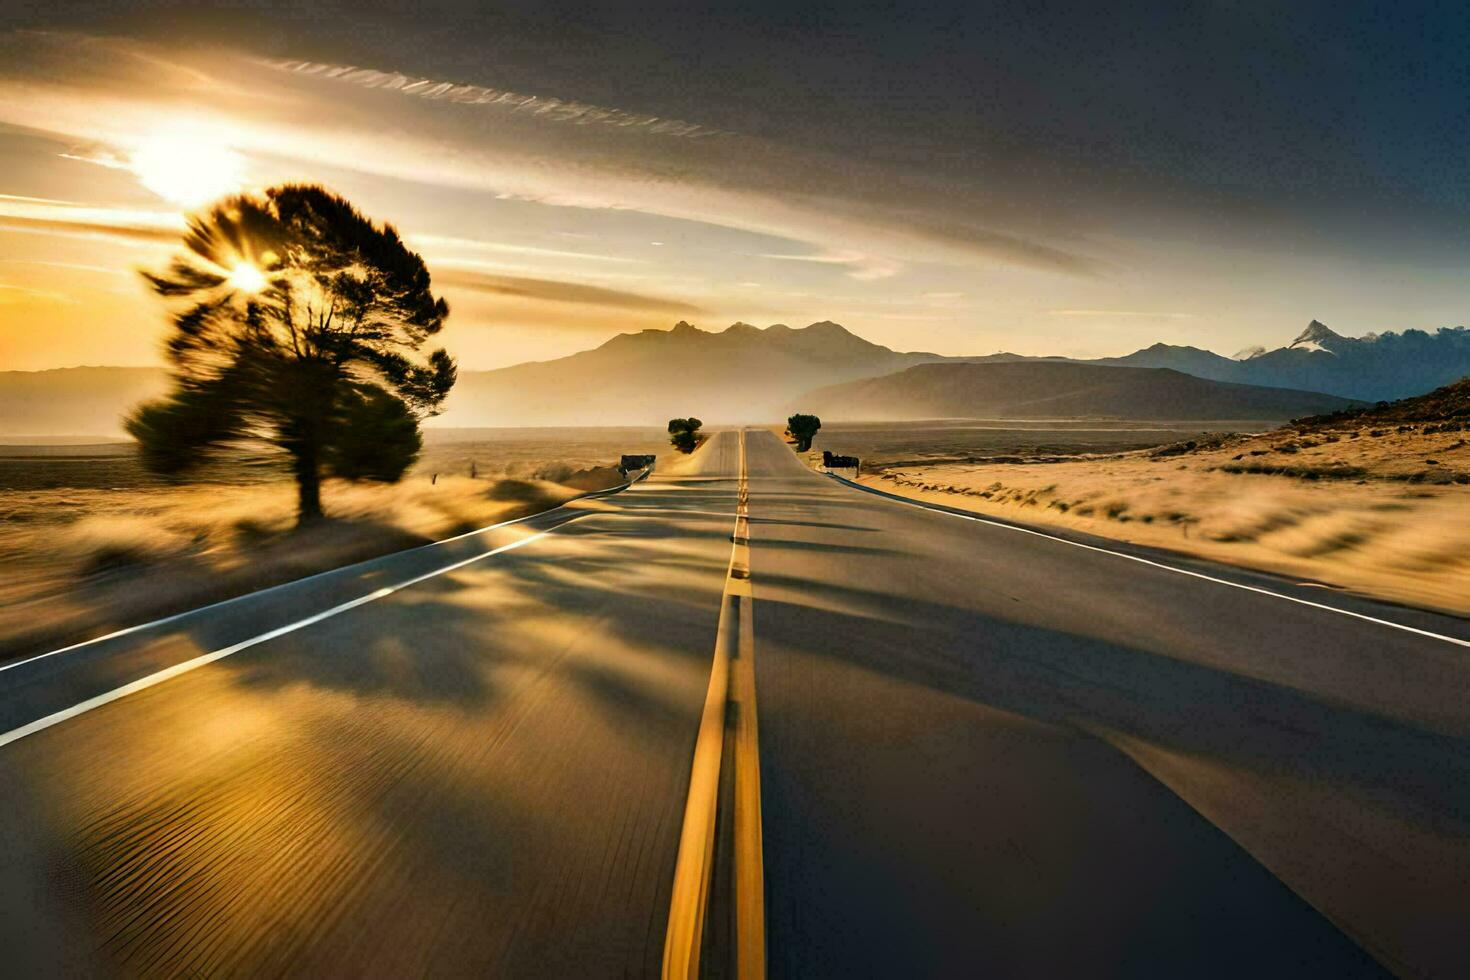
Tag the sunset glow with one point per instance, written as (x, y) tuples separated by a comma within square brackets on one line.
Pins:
[(188, 169), (630, 203)]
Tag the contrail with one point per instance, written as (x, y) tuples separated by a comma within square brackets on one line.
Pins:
[(559, 110)]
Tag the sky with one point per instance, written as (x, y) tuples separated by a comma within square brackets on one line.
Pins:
[(963, 178)]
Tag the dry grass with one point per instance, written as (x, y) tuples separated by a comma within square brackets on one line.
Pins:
[(887, 444), (1381, 512), (80, 561), (93, 542)]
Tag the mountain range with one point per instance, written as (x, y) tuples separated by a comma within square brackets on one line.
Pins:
[(1378, 367), (1049, 389), (745, 373), (742, 373)]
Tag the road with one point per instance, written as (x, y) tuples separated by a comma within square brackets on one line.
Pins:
[(975, 751)]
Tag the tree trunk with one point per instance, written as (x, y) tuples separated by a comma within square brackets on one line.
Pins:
[(308, 483), (306, 393)]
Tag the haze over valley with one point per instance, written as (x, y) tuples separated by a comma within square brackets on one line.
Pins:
[(750, 374), (1029, 389)]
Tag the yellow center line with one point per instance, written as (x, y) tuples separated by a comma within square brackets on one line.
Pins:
[(732, 681), (750, 882)]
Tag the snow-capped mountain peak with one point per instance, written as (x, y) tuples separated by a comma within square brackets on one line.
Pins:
[(1317, 337)]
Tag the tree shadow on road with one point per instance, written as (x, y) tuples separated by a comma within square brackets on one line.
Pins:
[(639, 577)]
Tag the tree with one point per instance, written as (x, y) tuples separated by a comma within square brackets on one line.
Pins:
[(297, 322), (803, 429), (683, 434)]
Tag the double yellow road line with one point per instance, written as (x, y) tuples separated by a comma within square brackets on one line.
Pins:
[(727, 737)]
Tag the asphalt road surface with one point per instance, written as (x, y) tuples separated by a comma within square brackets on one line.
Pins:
[(981, 752)]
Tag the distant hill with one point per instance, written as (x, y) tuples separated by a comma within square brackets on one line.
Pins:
[(1051, 389), (1444, 409), (743, 373), (1190, 360), (80, 401), (739, 374)]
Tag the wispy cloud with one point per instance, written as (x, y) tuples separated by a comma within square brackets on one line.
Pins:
[(97, 156), (12, 293), (449, 243), (59, 217), (22, 199), (859, 265), (557, 291), (1120, 314), (88, 229), (552, 109), (73, 266)]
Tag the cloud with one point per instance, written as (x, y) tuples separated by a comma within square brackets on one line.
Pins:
[(13, 293), (1130, 314), (556, 291), (552, 109), (295, 117), (23, 199), (132, 233), (448, 243), (97, 156), (67, 218), (860, 266), (44, 215)]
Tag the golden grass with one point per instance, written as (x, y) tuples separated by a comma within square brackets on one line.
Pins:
[(81, 561), (1385, 515)]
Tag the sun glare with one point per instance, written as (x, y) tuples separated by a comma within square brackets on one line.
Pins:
[(188, 168), (247, 278)]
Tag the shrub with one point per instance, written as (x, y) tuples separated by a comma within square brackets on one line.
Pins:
[(683, 433), (802, 429)]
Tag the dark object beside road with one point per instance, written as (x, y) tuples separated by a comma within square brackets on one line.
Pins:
[(629, 463), (834, 462)]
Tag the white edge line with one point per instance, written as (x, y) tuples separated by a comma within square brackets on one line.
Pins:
[(128, 630), (933, 509), (168, 673)]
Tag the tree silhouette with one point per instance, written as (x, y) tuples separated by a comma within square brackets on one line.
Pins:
[(296, 321), (803, 429), (683, 434)]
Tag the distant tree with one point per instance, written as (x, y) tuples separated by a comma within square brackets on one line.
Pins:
[(683, 434), (296, 322), (803, 429)]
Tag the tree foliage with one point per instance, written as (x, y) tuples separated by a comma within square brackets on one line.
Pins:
[(299, 322), (684, 434), (803, 429), (375, 436)]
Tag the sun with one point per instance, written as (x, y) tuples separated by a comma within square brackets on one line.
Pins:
[(189, 168), (246, 277)]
